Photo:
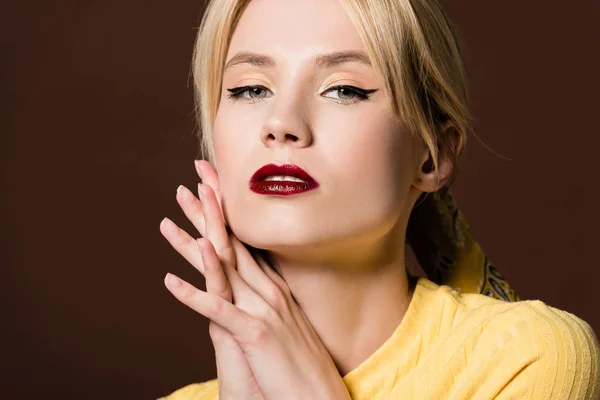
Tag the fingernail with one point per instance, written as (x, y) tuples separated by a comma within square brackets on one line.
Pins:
[(199, 168), (169, 225), (173, 281), (201, 192), (179, 188)]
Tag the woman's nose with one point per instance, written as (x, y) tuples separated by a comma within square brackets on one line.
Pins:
[(287, 126)]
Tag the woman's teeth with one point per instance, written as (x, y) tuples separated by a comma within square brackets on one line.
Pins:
[(282, 178)]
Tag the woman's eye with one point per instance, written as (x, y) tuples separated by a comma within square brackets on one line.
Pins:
[(349, 94), (344, 94), (249, 93)]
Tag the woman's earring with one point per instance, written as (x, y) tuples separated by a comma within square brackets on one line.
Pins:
[(428, 165)]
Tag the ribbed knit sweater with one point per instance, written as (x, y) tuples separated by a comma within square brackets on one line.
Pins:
[(469, 346)]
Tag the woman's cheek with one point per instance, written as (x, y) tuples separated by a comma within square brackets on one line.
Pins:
[(358, 155)]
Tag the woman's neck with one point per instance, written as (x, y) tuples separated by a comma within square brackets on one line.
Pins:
[(353, 310)]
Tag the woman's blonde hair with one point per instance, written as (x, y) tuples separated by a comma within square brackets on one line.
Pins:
[(411, 43)]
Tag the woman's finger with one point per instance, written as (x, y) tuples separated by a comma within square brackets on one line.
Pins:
[(241, 293), (216, 281), (256, 278), (271, 272), (192, 208), (233, 319), (208, 175), (183, 243), (215, 226)]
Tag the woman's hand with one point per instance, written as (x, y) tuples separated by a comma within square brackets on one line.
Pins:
[(285, 355), (236, 380)]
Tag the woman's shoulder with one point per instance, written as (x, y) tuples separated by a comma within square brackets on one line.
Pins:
[(532, 318), (554, 348), (487, 310), (560, 349), (208, 390)]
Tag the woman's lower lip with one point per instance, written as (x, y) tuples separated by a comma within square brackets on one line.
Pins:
[(281, 188)]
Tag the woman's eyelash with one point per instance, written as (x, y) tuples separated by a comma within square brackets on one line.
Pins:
[(239, 93), (363, 94)]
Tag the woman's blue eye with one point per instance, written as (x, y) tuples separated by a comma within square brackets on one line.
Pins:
[(248, 92), (345, 94), (350, 94)]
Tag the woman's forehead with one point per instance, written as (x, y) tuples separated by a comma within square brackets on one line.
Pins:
[(295, 29)]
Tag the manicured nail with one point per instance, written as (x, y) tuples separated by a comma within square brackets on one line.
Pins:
[(199, 169), (179, 188), (173, 281), (201, 192), (169, 225)]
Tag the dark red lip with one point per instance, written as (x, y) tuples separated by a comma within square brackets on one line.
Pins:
[(281, 188)]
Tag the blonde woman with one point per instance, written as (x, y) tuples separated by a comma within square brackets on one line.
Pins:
[(327, 128)]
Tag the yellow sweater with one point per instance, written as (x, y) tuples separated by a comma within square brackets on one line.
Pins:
[(470, 346)]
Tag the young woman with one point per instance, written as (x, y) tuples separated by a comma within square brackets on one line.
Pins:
[(327, 128)]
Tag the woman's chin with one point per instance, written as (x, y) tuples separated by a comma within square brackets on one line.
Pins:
[(273, 238), (273, 227)]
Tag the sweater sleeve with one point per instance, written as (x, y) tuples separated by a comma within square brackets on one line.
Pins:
[(567, 359), (208, 390)]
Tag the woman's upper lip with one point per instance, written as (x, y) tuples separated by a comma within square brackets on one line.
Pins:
[(281, 170)]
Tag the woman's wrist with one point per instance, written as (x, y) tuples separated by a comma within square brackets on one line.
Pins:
[(332, 389)]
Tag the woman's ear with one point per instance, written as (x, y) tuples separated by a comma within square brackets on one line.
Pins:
[(450, 146)]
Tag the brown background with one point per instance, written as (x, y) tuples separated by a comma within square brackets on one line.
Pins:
[(97, 133)]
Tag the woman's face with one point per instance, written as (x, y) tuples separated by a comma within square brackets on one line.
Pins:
[(350, 142)]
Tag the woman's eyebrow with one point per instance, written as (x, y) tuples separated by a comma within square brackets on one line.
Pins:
[(258, 60), (340, 57), (327, 60)]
